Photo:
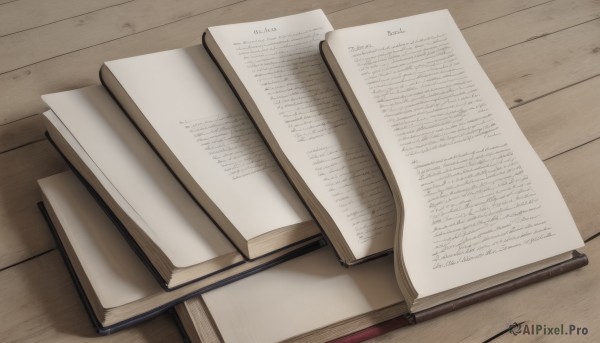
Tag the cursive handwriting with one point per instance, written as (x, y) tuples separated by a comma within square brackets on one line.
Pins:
[(294, 78), (233, 142), (425, 94), (358, 188), (481, 203)]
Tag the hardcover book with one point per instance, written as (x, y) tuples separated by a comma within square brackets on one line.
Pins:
[(180, 102), (165, 225), (116, 287), (475, 205), (174, 234), (310, 298), (398, 143), (275, 69), (476, 213)]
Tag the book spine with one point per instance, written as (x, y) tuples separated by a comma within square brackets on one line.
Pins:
[(577, 261)]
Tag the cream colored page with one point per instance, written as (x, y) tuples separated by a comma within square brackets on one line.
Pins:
[(187, 101), (119, 200), (116, 274), (280, 65), (478, 201), (168, 214), (301, 295)]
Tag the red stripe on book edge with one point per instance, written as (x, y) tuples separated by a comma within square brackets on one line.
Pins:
[(374, 331)]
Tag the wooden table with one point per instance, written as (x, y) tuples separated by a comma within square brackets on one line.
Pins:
[(543, 57)]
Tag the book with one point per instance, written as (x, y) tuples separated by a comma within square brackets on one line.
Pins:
[(275, 69), (312, 299), (117, 289), (309, 298), (180, 102), (476, 206), (167, 227)]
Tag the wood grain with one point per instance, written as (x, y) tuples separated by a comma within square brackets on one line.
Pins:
[(576, 174), (39, 44), (543, 56), (75, 69), (3, 2), (530, 24), (46, 71), (39, 303), (562, 120), (529, 70), (21, 132), (23, 231), (465, 13), (548, 123), (39, 13), (531, 117), (25, 235), (21, 227)]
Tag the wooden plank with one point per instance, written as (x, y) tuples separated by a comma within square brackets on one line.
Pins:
[(21, 132), (526, 71), (553, 124), (568, 299), (576, 174), (465, 13), (22, 88), (40, 13), (562, 120), (23, 231), (39, 303), (38, 44), (530, 24), (24, 234), (523, 71), (130, 44), (77, 69)]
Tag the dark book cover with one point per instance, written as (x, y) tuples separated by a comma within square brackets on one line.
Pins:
[(105, 330)]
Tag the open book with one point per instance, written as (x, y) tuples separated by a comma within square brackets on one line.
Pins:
[(275, 69), (309, 299), (167, 227), (476, 207), (117, 289), (312, 299), (180, 102), (476, 213), (172, 232)]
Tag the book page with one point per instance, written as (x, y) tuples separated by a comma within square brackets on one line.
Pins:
[(136, 178), (304, 294), (186, 100), (478, 201), (278, 62), (116, 274)]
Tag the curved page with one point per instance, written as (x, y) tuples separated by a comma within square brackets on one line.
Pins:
[(478, 201), (279, 64), (136, 178), (300, 296), (187, 102)]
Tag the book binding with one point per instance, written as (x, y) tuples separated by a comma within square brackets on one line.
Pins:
[(577, 261)]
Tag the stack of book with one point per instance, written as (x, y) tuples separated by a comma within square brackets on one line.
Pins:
[(289, 181)]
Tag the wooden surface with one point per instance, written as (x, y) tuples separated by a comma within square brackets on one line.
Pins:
[(543, 57)]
